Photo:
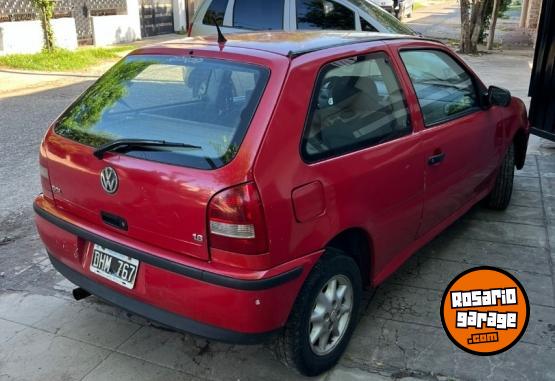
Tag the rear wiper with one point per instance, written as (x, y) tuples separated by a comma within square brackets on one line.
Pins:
[(138, 143)]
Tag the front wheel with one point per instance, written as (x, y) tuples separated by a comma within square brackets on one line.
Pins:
[(409, 14), (500, 196), (323, 317)]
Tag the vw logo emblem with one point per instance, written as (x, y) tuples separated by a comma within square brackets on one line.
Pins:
[(109, 180)]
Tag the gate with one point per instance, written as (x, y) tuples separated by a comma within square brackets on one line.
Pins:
[(156, 17), (542, 85), (83, 22)]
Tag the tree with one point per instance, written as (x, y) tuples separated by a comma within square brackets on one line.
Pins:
[(475, 19), (488, 15), (491, 35), (472, 12), (46, 9)]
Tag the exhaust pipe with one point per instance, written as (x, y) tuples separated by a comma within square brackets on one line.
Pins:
[(79, 293)]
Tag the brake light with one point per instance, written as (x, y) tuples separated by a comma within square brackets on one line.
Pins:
[(44, 175), (236, 221)]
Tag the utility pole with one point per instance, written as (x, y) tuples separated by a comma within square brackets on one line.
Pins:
[(493, 23)]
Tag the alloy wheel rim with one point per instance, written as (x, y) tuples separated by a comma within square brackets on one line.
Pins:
[(330, 315)]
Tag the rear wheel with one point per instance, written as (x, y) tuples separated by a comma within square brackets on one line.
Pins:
[(500, 196), (323, 317)]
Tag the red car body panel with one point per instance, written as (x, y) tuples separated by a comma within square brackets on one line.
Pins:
[(388, 192)]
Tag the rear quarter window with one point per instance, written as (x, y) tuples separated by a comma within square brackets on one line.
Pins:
[(202, 102), (258, 15), (357, 103), (215, 11), (324, 14)]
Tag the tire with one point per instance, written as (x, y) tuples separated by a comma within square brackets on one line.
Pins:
[(500, 196), (401, 14), (293, 347)]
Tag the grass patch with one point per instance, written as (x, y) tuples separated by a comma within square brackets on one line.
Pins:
[(418, 5), (63, 60)]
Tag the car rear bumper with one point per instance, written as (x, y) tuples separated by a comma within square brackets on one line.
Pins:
[(222, 303)]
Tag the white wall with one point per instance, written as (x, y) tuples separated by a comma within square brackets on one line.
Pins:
[(108, 30), (28, 37)]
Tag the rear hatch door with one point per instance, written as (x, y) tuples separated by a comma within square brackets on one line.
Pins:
[(160, 194)]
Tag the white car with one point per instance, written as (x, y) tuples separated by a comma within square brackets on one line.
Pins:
[(398, 8), (249, 15)]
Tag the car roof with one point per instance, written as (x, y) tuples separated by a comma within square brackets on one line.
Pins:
[(291, 44)]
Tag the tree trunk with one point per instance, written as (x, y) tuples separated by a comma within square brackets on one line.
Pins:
[(47, 40), (466, 41), (471, 23), (493, 23)]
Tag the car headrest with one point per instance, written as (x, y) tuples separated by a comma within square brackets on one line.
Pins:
[(367, 86), (337, 89)]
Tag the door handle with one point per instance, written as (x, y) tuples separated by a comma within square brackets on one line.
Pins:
[(436, 159)]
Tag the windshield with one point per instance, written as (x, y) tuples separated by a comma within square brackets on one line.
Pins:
[(387, 20), (202, 102)]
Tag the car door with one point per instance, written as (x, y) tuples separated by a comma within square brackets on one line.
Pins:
[(359, 143), (458, 133)]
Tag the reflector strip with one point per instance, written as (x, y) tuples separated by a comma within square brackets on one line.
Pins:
[(232, 230)]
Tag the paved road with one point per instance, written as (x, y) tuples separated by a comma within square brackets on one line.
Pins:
[(442, 20), (46, 335)]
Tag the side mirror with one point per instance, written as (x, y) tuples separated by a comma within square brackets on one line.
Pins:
[(498, 97)]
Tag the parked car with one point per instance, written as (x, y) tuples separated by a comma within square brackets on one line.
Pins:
[(398, 8), (253, 187), (235, 16)]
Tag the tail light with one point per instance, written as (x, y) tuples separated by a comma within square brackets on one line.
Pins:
[(236, 221), (44, 175)]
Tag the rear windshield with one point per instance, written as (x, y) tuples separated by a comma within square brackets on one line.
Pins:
[(197, 101)]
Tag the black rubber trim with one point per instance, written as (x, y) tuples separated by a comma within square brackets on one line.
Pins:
[(191, 272), (156, 314), (297, 53), (542, 133)]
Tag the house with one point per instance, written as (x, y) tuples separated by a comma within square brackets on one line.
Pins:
[(98, 22)]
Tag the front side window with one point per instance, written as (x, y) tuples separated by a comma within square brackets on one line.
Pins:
[(444, 89), (258, 15), (323, 14), (216, 11), (207, 103), (357, 103)]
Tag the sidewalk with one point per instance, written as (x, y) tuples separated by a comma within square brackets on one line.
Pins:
[(19, 82), (442, 20)]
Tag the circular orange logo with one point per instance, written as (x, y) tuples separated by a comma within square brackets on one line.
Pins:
[(485, 311)]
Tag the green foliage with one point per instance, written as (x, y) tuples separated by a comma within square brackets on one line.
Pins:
[(62, 60), (88, 110), (486, 16), (225, 149), (46, 9)]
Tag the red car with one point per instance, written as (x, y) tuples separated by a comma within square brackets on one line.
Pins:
[(236, 189)]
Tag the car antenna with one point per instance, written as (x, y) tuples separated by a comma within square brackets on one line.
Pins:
[(221, 37)]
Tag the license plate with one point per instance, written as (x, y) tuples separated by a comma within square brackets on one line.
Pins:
[(116, 267)]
